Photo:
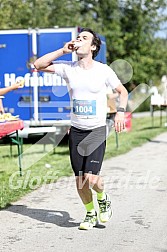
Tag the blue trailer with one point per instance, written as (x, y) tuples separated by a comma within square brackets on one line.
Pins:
[(44, 100)]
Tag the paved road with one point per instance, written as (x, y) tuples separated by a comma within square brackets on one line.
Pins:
[(47, 219)]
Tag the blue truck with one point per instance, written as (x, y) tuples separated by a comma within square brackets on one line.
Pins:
[(44, 100)]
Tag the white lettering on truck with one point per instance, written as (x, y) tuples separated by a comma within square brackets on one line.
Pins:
[(46, 79)]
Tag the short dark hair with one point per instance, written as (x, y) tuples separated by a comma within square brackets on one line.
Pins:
[(95, 41)]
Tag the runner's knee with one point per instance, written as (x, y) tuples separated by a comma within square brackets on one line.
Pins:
[(92, 179)]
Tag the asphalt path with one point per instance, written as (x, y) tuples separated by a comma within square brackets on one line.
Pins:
[(48, 218)]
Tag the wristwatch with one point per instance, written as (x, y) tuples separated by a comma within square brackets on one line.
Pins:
[(119, 109)]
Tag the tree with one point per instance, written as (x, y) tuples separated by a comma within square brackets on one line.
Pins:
[(139, 23), (129, 27), (22, 14)]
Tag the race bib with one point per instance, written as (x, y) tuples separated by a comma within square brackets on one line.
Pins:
[(84, 108)]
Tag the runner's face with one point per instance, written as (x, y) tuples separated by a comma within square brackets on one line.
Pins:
[(87, 47)]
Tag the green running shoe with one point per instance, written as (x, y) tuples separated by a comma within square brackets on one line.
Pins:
[(89, 222), (105, 209)]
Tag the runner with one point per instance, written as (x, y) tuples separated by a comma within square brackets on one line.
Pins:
[(87, 81)]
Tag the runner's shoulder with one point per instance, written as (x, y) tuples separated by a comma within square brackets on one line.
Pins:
[(102, 66)]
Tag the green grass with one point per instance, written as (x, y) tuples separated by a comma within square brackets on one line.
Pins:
[(50, 167), (142, 132)]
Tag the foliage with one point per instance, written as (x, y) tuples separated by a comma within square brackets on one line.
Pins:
[(140, 20), (129, 26)]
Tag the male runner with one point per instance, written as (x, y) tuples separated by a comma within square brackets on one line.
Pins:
[(87, 81)]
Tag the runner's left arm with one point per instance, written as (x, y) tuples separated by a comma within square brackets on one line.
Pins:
[(120, 115)]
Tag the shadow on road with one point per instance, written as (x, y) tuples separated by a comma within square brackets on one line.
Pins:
[(153, 141), (60, 218)]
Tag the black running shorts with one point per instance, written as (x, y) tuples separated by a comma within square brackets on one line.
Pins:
[(87, 148)]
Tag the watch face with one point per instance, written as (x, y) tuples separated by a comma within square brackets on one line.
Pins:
[(120, 110)]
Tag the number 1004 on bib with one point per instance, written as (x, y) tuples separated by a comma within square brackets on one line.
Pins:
[(84, 107)]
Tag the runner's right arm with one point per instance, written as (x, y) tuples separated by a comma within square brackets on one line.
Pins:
[(45, 63)]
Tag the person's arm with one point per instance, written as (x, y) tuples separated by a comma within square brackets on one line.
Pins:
[(45, 64), (113, 96), (123, 96), (10, 88), (120, 115), (1, 107)]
